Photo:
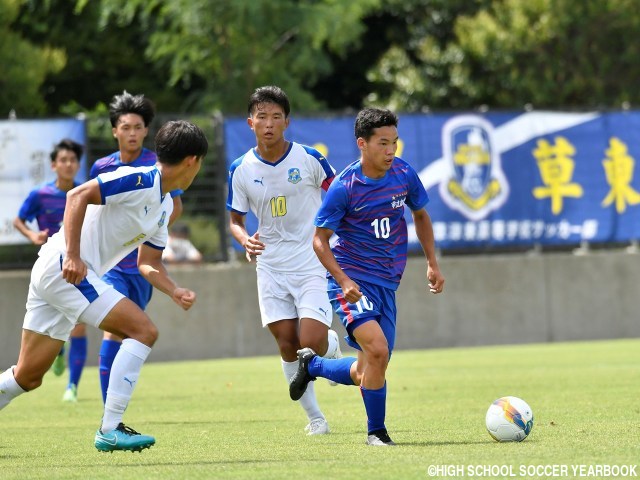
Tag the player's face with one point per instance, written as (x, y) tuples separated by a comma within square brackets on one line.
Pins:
[(268, 122), (130, 132), (66, 165), (379, 151)]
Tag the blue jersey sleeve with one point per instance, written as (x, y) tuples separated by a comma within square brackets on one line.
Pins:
[(30, 207), (111, 184), (417, 196), (334, 207)]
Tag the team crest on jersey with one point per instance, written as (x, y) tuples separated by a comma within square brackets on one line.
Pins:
[(476, 184), (162, 218), (294, 175), (397, 201)]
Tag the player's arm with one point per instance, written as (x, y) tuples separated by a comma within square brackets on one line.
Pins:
[(251, 243), (153, 270), (37, 238), (424, 231), (73, 268), (322, 248)]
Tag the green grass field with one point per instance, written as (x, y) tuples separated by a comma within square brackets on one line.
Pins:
[(233, 418)]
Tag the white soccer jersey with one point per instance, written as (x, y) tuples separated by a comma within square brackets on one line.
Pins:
[(285, 197), (133, 212)]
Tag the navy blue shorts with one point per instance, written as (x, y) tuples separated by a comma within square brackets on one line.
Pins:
[(377, 303), (132, 286)]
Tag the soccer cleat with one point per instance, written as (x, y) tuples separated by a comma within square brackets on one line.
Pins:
[(70, 394), (59, 365), (336, 354), (318, 426), (301, 378), (123, 438), (380, 438)]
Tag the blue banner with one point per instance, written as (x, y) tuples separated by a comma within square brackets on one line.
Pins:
[(502, 179)]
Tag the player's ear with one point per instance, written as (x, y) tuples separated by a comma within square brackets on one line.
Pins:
[(113, 132), (250, 122), (361, 142)]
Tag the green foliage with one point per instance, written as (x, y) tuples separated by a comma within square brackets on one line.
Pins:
[(24, 65), (233, 419), (229, 47)]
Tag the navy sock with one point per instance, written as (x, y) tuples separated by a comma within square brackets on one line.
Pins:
[(338, 370), (375, 403), (77, 359), (108, 351)]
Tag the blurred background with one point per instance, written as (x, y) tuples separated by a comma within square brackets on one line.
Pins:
[(519, 114)]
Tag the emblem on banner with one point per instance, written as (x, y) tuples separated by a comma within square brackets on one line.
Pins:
[(476, 184)]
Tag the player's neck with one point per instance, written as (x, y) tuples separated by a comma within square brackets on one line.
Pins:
[(369, 171), (64, 185), (272, 153), (129, 156)]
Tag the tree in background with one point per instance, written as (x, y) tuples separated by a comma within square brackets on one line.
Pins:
[(24, 65)]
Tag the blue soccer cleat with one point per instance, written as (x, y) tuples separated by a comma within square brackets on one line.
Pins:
[(123, 438)]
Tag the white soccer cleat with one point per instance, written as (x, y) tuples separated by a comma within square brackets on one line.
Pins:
[(336, 354), (318, 426)]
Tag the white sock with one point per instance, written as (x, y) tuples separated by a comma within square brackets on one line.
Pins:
[(9, 388), (332, 339), (308, 401), (124, 376)]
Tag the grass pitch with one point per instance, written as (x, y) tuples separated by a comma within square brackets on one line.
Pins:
[(233, 419)]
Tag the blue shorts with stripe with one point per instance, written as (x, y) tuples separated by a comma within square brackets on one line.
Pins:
[(132, 286), (377, 303)]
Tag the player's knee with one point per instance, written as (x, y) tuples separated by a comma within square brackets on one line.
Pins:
[(28, 382), (378, 355)]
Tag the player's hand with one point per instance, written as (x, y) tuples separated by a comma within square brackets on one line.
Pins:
[(436, 279), (184, 297), (351, 291), (253, 246), (74, 270), (40, 238)]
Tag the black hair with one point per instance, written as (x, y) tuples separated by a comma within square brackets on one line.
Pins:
[(269, 94), (369, 119), (178, 139), (67, 144), (127, 103)]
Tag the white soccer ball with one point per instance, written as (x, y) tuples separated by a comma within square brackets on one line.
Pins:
[(509, 419)]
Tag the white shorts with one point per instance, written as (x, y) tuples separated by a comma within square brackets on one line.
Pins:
[(283, 295), (54, 306)]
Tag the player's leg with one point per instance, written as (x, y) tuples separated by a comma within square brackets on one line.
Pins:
[(108, 351), (37, 353), (77, 359), (118, 315)]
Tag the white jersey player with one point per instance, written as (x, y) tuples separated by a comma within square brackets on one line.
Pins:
[(104, 220), (281, 182)]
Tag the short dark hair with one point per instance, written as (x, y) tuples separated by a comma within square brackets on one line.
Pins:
[(127, 103), (269, 94), (67, 144), (178, 139), (369, 119)]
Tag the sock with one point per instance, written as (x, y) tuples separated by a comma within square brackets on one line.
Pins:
[(338, 370), (9, 388), (124, 376), (375, 403), (332, 339), (77, 358), (308, 401), (108, 351)]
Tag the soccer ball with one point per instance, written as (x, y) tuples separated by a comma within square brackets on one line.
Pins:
[(509, 419)]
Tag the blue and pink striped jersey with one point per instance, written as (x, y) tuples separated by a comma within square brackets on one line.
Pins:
[(147, 158), (46, 205), (368, 217)]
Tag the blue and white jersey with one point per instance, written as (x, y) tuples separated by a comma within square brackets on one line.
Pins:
[(285, 197), (133, 212), (46, 205), (111, 162), (367, 215)]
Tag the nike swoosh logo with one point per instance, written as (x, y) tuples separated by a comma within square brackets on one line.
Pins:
[(357, 209), (107, 441)]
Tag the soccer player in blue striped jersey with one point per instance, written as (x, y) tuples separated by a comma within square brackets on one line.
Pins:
[(281, 182), (45, 204), (364, 207), (130, 116), (105, 219)]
